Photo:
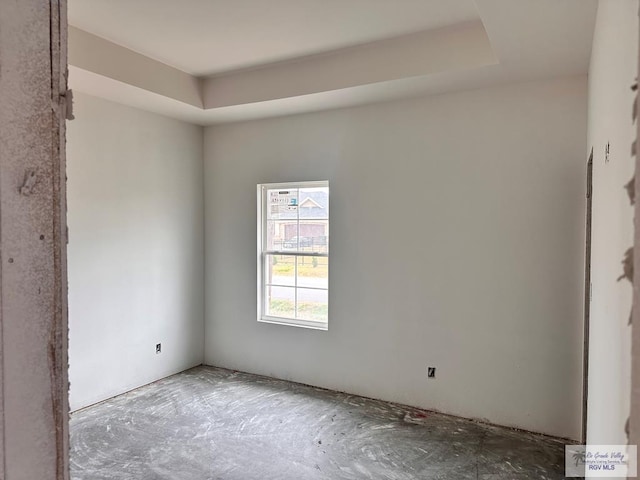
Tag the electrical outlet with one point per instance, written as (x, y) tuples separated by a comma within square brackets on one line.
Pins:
[(431, 372), (158, 348)]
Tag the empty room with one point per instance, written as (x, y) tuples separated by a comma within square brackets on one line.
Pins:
[(349, 239)]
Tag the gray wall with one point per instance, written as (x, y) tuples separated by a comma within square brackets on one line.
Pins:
[(136, 249), (614, 66), (457, 225)]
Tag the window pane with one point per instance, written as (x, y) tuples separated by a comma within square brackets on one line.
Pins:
[(313, 272), (295, 221), (313, 304), (273, 235), (280, 301), (314, 203), (280, 270), (282, 219), (314, 236), (291, 237), (314, 219), (282, 204), (282, 235)]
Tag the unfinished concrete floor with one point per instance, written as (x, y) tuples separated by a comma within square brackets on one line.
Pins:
[(210, 423)]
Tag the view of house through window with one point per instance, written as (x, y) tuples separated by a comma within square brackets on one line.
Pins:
[(293, 248)]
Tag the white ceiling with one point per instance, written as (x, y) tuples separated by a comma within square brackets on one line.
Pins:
[(315, 54), (203, 37)]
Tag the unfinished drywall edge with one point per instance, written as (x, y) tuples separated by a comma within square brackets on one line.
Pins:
[(62, 98), (634, 418), (32, 259)]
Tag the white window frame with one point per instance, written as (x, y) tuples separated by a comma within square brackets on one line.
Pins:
[(262, 252)]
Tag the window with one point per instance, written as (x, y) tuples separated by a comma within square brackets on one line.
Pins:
[(293, 254)]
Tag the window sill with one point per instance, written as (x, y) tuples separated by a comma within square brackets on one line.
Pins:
[(290, 322)]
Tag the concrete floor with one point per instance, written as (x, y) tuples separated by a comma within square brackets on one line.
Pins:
[(210, 423)]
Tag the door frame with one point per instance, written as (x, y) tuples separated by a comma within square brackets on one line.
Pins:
[(587, 296), (33, 283)]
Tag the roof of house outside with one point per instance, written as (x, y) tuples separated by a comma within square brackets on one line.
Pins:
[(319, 209)]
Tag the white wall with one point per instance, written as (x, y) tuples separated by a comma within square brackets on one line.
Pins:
[(612, 71), (457, 226), (136, 249)]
